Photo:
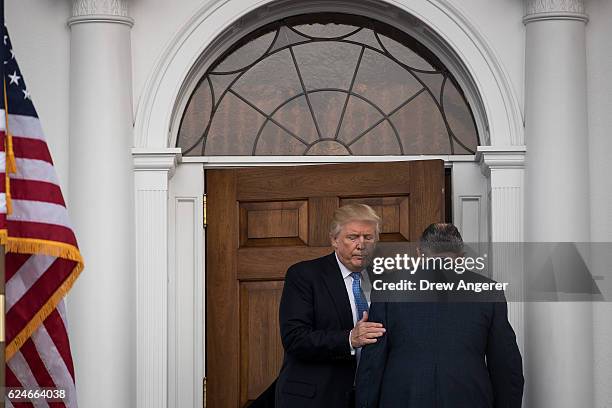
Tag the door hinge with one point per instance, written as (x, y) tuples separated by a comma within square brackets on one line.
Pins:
[(204, 390), (204, 210)]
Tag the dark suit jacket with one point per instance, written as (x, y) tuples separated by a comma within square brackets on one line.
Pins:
[(315, 320), (450, 353)]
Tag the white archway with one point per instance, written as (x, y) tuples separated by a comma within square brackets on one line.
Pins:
[(174, 71), (169, 367)]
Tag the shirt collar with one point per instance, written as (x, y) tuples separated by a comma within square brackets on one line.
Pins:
[(343, 269)]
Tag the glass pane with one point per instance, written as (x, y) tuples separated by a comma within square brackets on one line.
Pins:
[(270, 82), (379, 141), (421, 127), (459, 119), (327, 108), (295, 116), (327, 64), (404, 54), (366, 37), (328, 148), (324, 30), (276, 141), (359, 117), (433, 82), (195, 118), (287, 37), (383, 82), (220, 83), (233, 129), (247, 54)]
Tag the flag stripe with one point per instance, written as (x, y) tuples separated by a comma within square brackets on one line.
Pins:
[(25, 277), (31, 356), (13, 382), (31, 169), (23, 372), (37, 191), (27, 148), (25, 126), (56, 329), (30, 303), (13, 263), (52, 360), (37, 211), (43, 231)]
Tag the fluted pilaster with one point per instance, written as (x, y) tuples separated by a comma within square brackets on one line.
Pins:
[(152, 172)]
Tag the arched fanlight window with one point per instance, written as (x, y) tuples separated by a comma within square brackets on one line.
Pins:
[(327, 84)]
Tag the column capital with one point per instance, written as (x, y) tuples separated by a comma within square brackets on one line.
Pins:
[(112, 11), (99, 7), (538, 10)]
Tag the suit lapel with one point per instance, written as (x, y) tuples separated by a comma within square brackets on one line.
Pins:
[(337, 290)]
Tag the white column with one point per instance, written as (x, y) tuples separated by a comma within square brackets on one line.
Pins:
[(102, 304), (559, 335), (152, 172), (504, 166)]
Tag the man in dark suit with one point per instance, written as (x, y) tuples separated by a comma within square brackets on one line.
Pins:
[(443, 349), (323, 316)]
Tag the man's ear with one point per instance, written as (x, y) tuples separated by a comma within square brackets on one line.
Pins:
[(333, 241), (419, 252)]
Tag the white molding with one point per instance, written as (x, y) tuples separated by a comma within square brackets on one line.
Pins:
[(555, 16), (156, 160), (186, 288), (502, 157), (459, 221), (250, 161), (166, 86), (101, 18)]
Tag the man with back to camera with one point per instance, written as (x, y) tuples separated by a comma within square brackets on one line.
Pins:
[(323, 316), (444, 349)]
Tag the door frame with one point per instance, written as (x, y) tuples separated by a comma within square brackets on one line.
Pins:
[(186, 189)]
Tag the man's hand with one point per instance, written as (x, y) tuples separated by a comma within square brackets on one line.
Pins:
[(365, 332)]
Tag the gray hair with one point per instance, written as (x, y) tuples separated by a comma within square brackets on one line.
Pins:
[(353, 212)]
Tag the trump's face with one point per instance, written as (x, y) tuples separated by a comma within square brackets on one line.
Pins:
[(355, 243)]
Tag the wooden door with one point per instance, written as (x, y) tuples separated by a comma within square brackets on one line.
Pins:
[(261, 221)]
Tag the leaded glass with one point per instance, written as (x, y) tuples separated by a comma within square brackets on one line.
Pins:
[(327, 84)]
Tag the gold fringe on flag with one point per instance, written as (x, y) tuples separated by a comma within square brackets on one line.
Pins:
[(51, 248)]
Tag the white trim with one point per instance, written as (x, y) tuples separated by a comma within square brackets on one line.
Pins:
[(251, 161), (101, 18), (498, 157), (559, 15)]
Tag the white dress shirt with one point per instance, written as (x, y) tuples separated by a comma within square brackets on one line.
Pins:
[(366, 287)]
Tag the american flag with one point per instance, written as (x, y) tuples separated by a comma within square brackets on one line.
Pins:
[(42, 259)]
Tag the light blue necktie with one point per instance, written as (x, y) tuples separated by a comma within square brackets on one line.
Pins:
[(360, 300)]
